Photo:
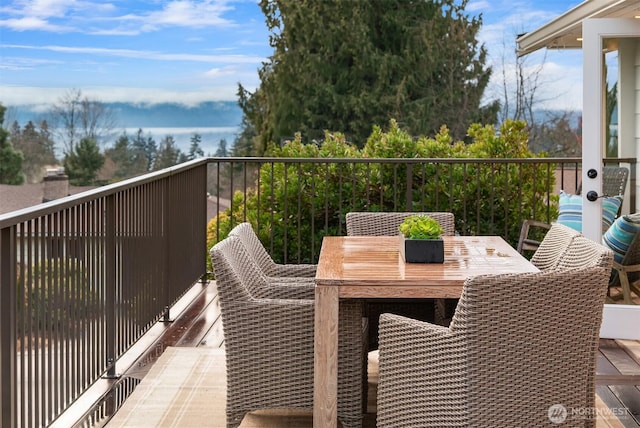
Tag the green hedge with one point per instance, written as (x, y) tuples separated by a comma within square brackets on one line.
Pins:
[(298, 200)]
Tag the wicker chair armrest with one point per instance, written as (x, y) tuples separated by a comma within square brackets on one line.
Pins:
[(420, 363), (294, 270), (397, 327), (289, 290), (263, 320), (283, 303), (292, 279)]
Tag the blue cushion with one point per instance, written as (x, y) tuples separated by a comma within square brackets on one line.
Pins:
[(570, 212), (619, 236)]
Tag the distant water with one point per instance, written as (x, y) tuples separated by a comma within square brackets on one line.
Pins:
[(209, 136)]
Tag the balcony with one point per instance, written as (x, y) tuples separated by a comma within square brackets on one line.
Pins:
[(94, 285)]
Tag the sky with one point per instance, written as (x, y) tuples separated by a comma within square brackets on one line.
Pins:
[(152, 51)]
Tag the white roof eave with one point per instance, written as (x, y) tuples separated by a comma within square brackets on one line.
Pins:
[(564, 31)]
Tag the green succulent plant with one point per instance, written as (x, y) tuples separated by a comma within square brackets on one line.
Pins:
[(420, 227)]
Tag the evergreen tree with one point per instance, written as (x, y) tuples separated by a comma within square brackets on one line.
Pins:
[(37, 146), (168, 154), (83, 163), (147, 147), (195, 151), (247, 142), (10, 158), (128, 160), (344, 66), (221, 151)]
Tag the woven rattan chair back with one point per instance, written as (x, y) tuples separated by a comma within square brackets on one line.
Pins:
[(626, 273), (265, 262), (582, 252), (251, 241), (544, 340), (386, 223), (614, 181), (516, 342), (553, 246), (269, 345), (228, 271), (254, 280), (244, 265)]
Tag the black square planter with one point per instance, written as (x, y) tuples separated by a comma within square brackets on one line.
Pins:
[(422, 250)]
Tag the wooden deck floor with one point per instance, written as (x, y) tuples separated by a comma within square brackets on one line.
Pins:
[(618, 378)]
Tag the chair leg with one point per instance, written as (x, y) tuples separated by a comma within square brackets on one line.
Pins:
[(234, 419), (626, 289), (635, 289)]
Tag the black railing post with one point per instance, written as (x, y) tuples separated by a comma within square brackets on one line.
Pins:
[(110, 285), (168, 224), (409, 192), (632, 187), (8, 262)]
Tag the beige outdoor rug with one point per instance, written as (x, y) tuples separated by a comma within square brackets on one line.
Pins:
[(186, 388)]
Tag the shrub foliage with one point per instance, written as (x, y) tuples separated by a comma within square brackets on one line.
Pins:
[(300, 202)]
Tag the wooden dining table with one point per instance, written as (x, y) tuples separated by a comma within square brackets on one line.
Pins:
[(370, 267)]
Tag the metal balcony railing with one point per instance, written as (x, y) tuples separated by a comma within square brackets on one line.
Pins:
[(83, 278)]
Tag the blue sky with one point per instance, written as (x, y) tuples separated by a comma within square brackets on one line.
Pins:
[(194, 51)]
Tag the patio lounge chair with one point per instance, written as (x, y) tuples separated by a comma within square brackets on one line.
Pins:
[(553, 246), (626, 271), (269, 345), (518, 351), (614, 183), (386, 224), (270, 268), (614, 180), (583, 252), (564, 247)]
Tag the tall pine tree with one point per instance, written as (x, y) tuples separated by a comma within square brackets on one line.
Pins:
[(10, 158), (344, 66), (83, 163)]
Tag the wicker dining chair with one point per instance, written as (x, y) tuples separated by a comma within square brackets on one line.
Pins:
[(386, 224), (553, 246), (583, 252), (519, 347), (614, 183), (614, 180), (627, 272), (269, 344), (270, 268)]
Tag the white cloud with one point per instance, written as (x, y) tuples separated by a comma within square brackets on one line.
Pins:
[(12, 67), (24, 95), (42, 8), (101, 18), (216, 73), (33, 23), (140, 54), (479, 5), (185, 13), (560, 79), (21, 62), (52, 15)]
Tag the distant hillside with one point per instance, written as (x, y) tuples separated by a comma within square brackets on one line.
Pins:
[(209, 114), (129, 115)]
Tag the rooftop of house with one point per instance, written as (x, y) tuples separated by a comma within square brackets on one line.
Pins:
[(13, 198)]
